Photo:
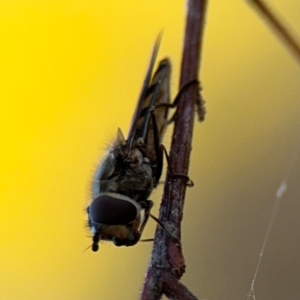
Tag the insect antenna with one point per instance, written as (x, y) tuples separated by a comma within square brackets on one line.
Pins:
[(87, 248), (96, 240)]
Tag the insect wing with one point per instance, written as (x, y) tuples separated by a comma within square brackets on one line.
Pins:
[(132, 135), (156, 105), (152, 120)]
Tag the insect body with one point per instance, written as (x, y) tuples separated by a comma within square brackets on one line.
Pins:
[(132, 166)]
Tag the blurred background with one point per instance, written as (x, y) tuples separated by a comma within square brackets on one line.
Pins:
[(71, 73)]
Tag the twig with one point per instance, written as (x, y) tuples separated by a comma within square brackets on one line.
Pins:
[(278, 26), (167, 262)]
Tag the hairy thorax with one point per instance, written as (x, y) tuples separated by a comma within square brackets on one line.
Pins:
[(131, 175)]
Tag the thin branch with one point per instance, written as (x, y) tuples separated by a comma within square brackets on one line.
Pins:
[(278, 26), (167, 261)]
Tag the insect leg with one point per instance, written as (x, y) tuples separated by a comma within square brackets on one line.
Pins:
[(160, 150), (189, 182), (147, 205), (198, 101), (170, 235)]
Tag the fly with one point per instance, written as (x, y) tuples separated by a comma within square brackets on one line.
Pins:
[(120, 207)]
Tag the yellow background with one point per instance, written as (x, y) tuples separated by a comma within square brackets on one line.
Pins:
[(71, 72)]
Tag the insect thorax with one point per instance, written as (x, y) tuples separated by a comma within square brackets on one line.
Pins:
[(130, 175)]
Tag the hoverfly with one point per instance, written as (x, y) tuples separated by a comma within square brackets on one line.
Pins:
[(132, 167)]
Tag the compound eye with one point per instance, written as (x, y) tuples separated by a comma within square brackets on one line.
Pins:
[(112, 210)]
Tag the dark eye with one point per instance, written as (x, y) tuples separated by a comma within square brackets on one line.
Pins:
[(113, 210)]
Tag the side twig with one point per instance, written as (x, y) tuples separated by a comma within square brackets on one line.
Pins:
[(167, 262), (279, 27)]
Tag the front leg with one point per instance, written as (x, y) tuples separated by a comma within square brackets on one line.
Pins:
[(146, 205)]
